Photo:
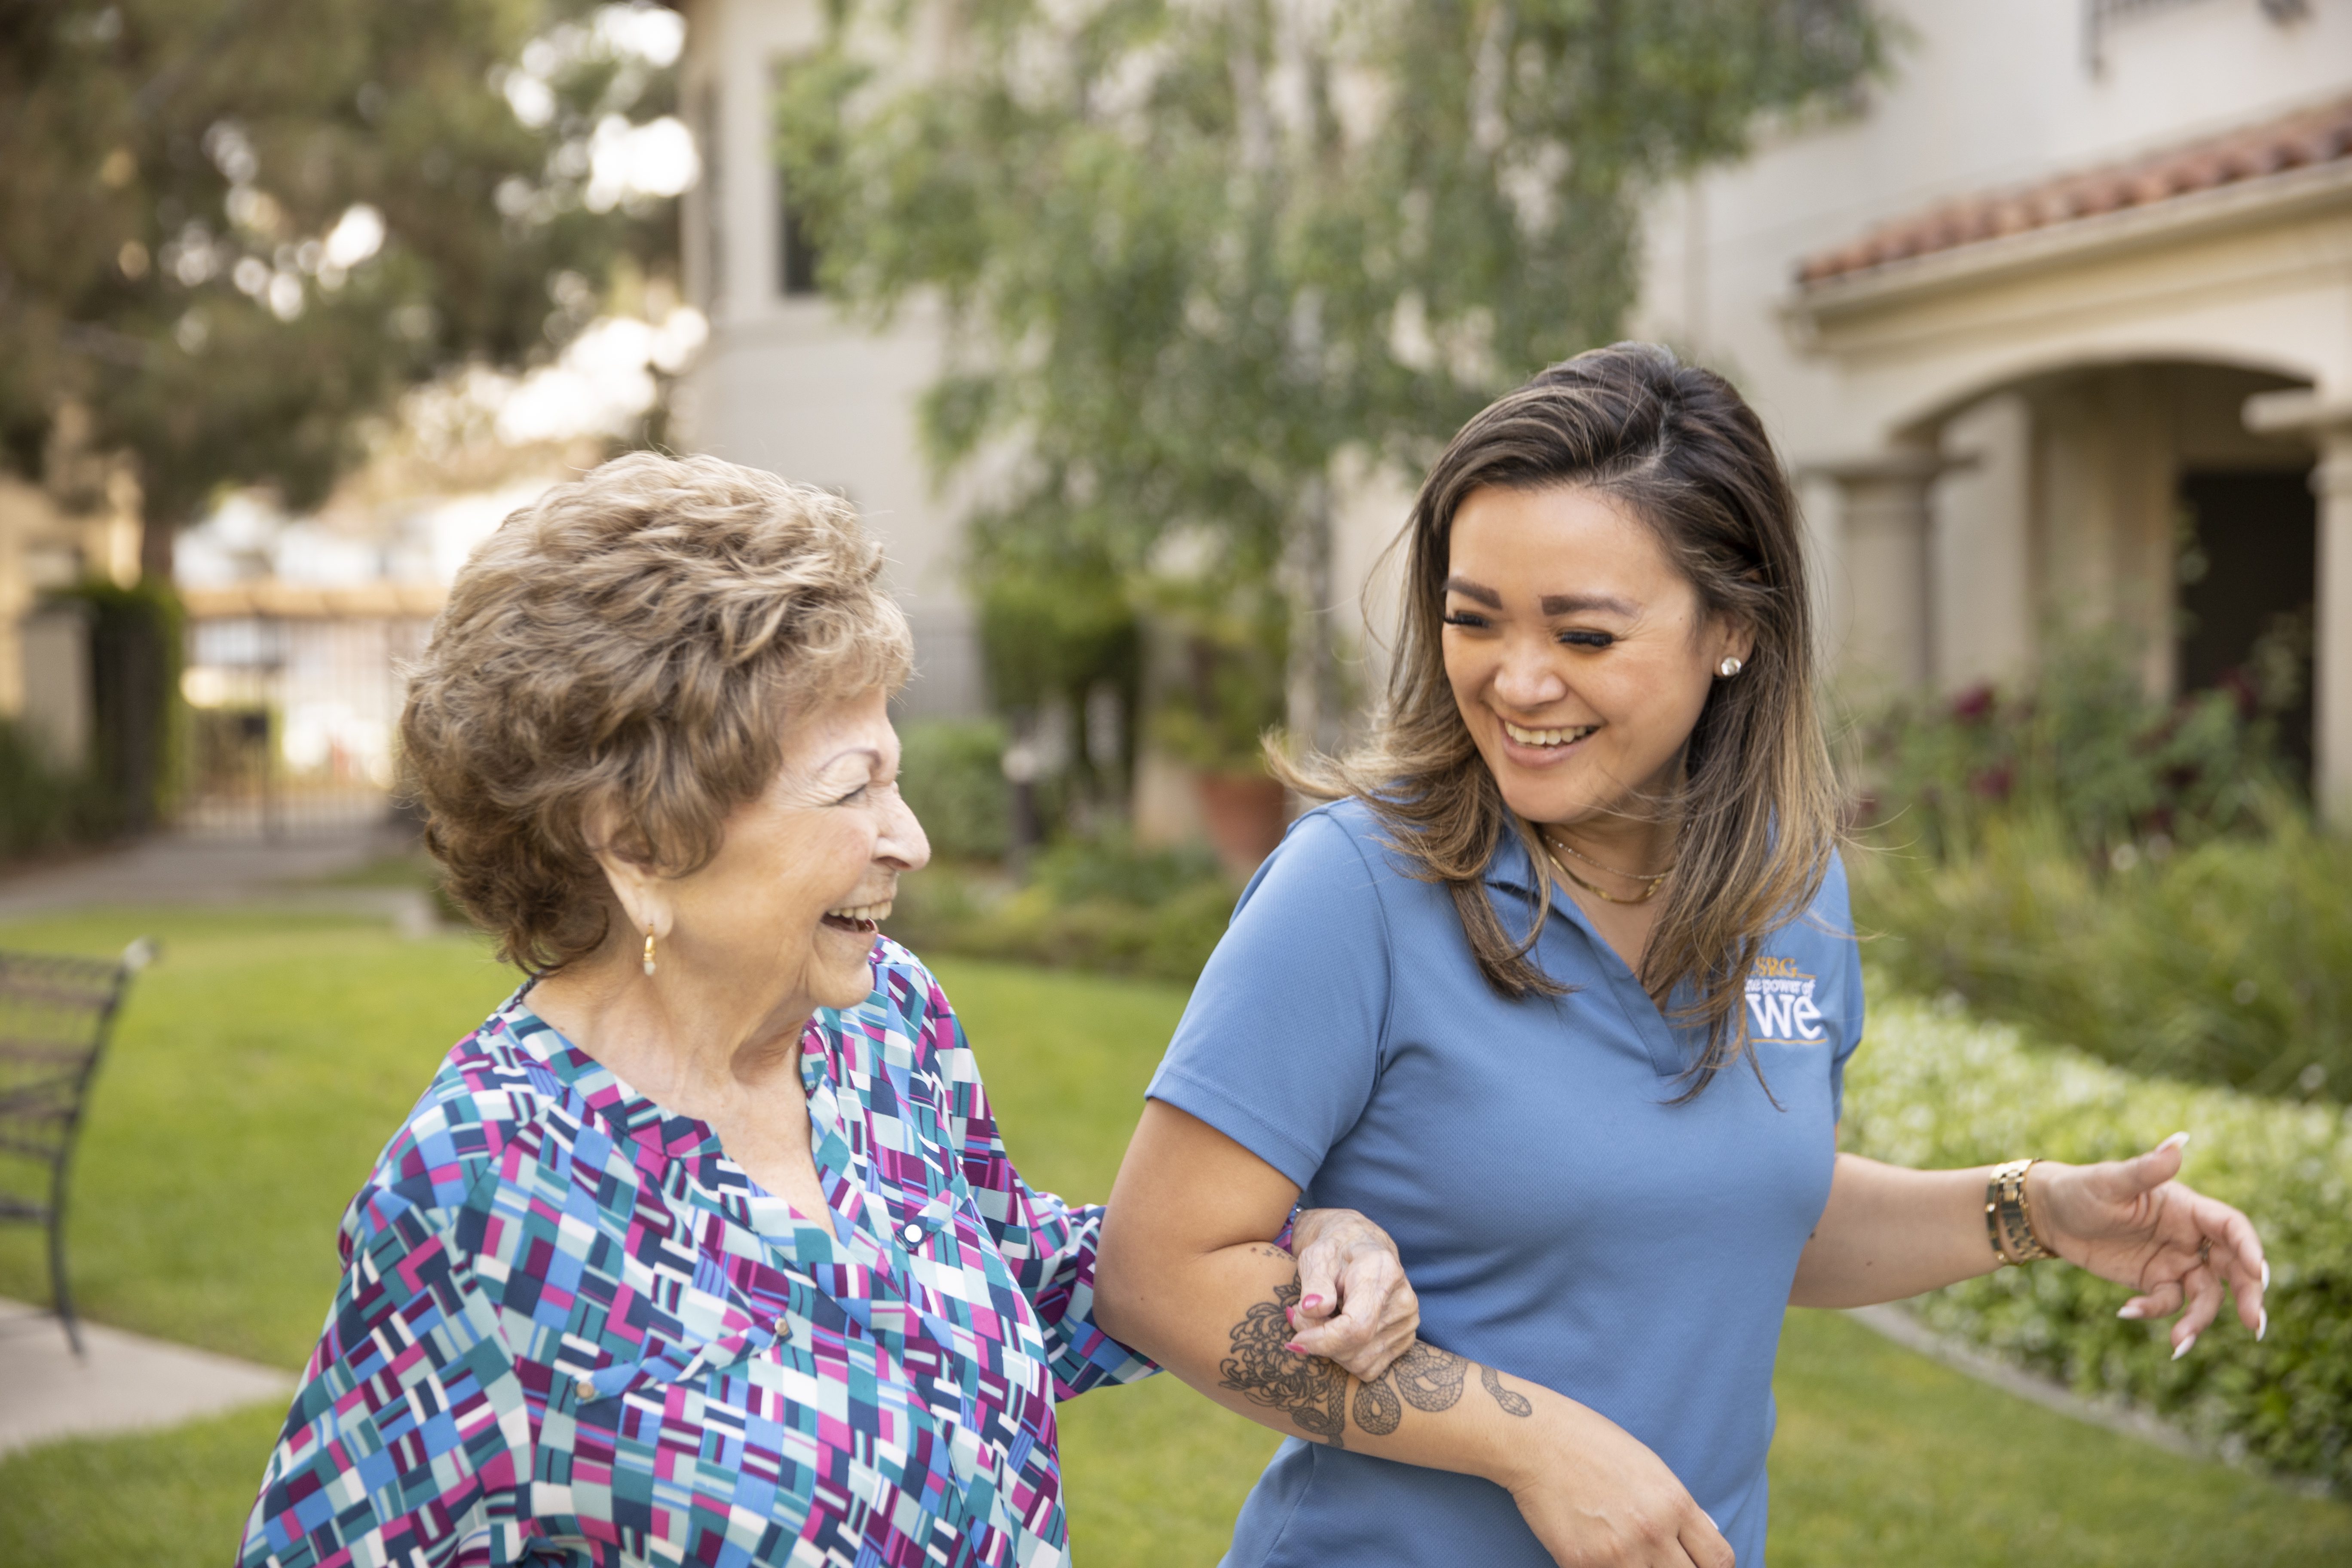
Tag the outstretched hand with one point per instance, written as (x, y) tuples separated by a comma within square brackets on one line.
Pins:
[(1355, 1306), (2129, 1221)]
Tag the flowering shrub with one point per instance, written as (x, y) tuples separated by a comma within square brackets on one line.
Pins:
[(2231, 962), (2083, 747), (1932, 1088)]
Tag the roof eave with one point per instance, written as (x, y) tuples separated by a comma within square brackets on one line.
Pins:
[(2199, 214)]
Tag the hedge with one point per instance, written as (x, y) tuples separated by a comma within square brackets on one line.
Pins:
[(1931, 1088), (2229, 962)]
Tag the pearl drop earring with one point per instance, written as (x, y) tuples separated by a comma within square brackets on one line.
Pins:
[(649, 947), (1727, 668)]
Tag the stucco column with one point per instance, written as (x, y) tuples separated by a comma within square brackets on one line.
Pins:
[(1890, 633), (2332, 654), (2329, 425)]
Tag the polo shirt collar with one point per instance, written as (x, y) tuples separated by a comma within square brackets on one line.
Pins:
[(1513, 869)]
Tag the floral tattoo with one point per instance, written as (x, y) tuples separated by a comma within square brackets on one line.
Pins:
[(1258, 1368), (1314, 1391)]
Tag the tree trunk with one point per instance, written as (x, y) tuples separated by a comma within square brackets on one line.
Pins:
[(1311, 699), (157, 535)]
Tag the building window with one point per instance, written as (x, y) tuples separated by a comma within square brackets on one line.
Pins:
[(2101, 17)]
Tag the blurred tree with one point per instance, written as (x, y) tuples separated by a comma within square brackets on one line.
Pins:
[(1190, 254), (231, 230)]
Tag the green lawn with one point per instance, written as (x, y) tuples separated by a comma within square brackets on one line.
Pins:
[(261, 1065)]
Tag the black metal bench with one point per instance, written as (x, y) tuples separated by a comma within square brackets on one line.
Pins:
[(55, 1014)]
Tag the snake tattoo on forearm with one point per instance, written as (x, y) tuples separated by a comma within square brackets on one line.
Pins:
[(1314, 1391)]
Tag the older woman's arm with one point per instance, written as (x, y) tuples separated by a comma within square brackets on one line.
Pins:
[(1366, 1317), (1184, 1279), (1889, 1233)]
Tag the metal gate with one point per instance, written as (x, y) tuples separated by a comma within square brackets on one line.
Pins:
[(294, 698)]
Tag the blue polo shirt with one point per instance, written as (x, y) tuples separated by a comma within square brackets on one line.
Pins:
[(1561, 1219)]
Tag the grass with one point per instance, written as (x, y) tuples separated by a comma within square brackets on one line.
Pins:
[(259, 1067)]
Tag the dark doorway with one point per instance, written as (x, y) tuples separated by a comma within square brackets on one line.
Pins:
[(2248, 572)]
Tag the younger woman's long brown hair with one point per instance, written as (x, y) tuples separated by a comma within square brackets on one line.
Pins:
[(1755, 813)]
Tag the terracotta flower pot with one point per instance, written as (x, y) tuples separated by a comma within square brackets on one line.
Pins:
[(1244, 816)]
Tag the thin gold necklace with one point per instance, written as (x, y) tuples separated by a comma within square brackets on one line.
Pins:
[(1650, 884), (1558, 843)]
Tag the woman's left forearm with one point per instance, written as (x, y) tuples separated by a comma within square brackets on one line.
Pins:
[(1889, 1233)]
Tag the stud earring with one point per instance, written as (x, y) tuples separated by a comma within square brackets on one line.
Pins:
[(1727, 668), (649, 947)]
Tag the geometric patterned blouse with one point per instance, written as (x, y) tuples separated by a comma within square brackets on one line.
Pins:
[(571, 1330)]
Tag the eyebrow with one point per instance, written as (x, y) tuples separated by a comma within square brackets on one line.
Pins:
[(1474, 592), (1576, 603), (872, 752), (1550, 603)]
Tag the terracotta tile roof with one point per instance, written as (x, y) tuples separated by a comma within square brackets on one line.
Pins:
[(2312, 136)]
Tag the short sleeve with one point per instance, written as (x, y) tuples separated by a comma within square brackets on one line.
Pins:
[(1834, 910), (1280, 1045)]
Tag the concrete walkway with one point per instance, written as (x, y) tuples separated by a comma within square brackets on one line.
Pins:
[(128, 1383), (188, 870)]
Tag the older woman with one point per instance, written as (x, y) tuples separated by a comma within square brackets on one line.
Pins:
[(1561, 991), (705, 1247)]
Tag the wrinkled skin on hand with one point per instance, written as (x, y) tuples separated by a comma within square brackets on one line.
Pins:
[(1355, 1306)]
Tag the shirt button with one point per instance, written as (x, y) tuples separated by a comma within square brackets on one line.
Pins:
[(784, 1328), (585, 1388), (913, 1233)]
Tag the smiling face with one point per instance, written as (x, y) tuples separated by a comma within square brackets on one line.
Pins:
[(1578, 656), (808, 869)]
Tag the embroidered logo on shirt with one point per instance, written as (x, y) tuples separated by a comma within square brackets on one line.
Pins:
[(1780, 1006)]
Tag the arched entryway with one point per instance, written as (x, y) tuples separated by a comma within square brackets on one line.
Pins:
[(2134, 495)]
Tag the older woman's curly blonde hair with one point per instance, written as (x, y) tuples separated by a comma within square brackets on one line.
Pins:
[(634, 644)]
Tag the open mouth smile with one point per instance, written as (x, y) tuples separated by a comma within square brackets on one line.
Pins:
[(865, 918), (1567, 737)]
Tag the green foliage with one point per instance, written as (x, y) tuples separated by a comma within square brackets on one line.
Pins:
[(137, 644), (1097, 902), (951, 773), (1931, 1089), (2130, 876), (2083, 746), (1226, 690), (1053, 633), (171, 169), (137, 721), (1189, 254), (41, 809), (2231, 962), (1111, 866)]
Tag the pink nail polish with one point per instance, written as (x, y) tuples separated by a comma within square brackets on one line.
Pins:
[(1294, 1348), (1311, 1303)]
